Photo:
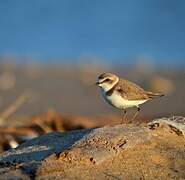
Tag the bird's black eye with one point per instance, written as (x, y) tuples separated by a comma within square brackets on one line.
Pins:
[(107, 80)]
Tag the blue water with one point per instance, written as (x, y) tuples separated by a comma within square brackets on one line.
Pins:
[(110, 30)]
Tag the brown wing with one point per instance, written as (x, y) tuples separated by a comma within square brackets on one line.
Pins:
[(131, 91)]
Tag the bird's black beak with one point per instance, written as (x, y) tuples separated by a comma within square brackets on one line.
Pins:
[(97, 83)]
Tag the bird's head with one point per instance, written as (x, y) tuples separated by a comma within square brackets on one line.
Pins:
[(107, 80)]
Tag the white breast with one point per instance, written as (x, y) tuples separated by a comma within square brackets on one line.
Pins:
[(116, 100)]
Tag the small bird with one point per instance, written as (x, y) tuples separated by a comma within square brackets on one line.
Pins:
[(122, 93)]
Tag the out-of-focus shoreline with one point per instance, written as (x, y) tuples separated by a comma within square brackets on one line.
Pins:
[(69, 89)]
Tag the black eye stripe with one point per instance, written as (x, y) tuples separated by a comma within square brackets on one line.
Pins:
[(106, 80)]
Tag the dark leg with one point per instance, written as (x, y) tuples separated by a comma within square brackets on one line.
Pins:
[(124, 115), (137, 112)]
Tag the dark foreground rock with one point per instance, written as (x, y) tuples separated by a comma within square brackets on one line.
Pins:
[(149, 151)]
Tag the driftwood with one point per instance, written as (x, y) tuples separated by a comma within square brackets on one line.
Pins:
[(22, 99), (102, 153)]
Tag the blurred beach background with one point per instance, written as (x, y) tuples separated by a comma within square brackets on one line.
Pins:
[(51, 53)]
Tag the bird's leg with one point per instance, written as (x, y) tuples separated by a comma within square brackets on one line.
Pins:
[(124, 115), (137, 112)]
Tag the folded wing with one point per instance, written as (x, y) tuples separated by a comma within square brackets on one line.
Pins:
[(131, 91)]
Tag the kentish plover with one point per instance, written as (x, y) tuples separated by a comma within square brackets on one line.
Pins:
[(122, 93)]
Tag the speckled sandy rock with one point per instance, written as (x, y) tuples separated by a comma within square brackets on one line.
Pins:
[(153, 151), (95, 144), (176, 123)]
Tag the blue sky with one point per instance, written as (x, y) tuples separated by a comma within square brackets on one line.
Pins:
[(111, 30)]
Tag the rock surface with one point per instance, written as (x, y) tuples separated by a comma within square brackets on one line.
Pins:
[(177, 123), (153, 151)]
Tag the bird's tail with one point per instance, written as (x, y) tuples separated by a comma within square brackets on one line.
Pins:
[(154, 95)]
